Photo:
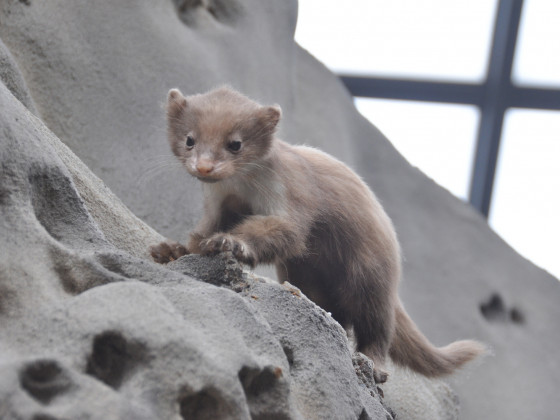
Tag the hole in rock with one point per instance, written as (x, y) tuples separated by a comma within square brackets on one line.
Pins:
[(516, 316), (364, 415), (206, 404), (224, 11), (78, 273), (109, 359), (44, 379), (266, 392), (289, 352), (256, 382), (59, 208), (494, 309)]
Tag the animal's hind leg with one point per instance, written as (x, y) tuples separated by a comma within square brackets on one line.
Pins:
[(373, 341), (309, 280), (373, 319)]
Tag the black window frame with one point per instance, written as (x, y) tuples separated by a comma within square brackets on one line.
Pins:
[(494, 96)]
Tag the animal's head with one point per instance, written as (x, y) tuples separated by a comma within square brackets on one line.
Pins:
[(220, 133)]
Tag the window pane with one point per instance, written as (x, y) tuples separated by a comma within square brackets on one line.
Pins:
[(526, 202), (537, 59), (439, 139), (430, 39)]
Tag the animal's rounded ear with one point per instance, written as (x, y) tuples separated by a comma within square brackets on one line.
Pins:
[(176, 100), (271, 116)]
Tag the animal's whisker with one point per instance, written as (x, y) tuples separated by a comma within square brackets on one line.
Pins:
[(158, 169), (259, 166)]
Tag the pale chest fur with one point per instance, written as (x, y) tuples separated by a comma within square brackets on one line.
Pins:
[(263, 193)]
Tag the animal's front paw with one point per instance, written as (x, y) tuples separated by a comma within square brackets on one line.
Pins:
[(167, 251), (380, 376), (225, 242)]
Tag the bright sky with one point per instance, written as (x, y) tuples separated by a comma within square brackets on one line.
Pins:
[(443, 40)]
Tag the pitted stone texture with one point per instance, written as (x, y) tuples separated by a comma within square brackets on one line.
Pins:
[(89, 331), (97, 74)]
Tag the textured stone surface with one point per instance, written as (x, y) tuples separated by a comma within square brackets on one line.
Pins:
[(89, 331), (96, 74), (427, 398)]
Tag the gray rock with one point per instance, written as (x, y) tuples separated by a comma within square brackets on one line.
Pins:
[(11, 76), (90, 331), (96, 74)]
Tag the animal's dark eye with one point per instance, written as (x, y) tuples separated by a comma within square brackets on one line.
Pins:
[(190, 142), (234, 146)]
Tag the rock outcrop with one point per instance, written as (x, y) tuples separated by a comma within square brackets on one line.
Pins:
[(91, 331), (90, 328)]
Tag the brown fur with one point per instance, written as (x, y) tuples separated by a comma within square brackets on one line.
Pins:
[(306, 212)]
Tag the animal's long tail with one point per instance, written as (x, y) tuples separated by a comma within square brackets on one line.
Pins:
[(410, 348)]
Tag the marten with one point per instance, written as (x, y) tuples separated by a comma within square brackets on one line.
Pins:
[(267, 201)]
